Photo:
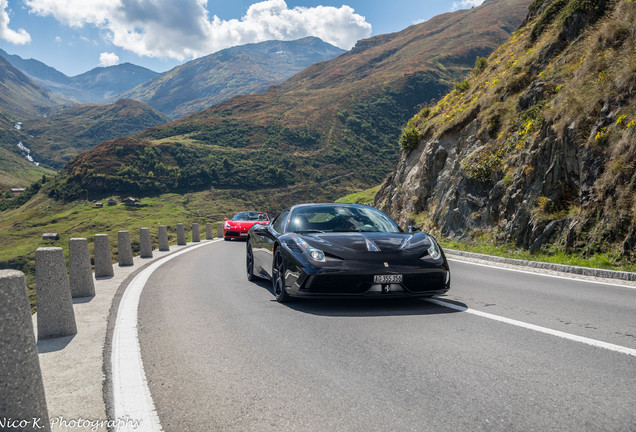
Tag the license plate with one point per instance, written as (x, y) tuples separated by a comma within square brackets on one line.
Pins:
[(243, 234), (387, 279)]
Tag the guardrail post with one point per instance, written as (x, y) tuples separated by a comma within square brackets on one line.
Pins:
[(145, 244), (124, 249), (219, 229), (196, 237), (103, 259), (163, 238), (53, 294), (80, 274), (20, 374), (208, 231), (181, 239)]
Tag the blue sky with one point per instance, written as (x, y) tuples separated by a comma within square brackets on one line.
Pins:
[(75, 36)]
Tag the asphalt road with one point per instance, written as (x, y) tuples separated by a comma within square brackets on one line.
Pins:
[(220, 354)]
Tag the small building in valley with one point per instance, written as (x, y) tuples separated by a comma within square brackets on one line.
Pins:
[(130, 201)]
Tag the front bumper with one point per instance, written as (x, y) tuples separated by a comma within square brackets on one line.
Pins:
[(356, 279), (235, 233)]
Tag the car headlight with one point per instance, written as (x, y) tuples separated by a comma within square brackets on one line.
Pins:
[(434, 252), (227, 225), (315, 254)]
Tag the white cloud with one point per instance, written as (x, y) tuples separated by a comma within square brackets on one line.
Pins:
[(108, 59), (181, 30), (19, 37), (466, 4)]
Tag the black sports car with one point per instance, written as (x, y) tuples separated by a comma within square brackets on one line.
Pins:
[(335, 250)]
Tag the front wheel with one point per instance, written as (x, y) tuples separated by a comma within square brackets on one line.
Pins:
[(278, 278)]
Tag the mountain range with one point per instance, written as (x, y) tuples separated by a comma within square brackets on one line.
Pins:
[(245, 69), (95, 85), (55, 128), (329, 129)]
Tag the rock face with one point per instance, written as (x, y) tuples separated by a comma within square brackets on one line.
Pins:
[(541, 150)]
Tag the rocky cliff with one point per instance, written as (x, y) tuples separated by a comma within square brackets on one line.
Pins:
[(538, 145)]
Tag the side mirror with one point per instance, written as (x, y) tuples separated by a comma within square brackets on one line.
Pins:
[(413, 229), (259, 226)]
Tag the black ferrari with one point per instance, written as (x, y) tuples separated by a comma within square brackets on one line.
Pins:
[(337, 250)]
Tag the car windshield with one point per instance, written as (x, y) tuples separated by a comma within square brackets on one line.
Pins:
[(335, 218), (250, 216)]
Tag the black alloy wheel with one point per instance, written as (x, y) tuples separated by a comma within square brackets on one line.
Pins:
[(278, 278)]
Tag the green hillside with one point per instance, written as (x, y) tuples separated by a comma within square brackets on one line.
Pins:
[(60, 136), (20, 96), (537, 147), (330, 129), (15, 170)]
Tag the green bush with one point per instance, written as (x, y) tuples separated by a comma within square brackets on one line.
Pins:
[(462, 86), (410, 138), (480, 65)]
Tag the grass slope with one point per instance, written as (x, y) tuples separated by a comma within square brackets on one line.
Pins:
[(21, 228), (561, 90)]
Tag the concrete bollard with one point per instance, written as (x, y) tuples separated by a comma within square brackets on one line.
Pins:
[(145, 244), (196, 236), (20, 375), (163, 238), (219, 229), (208, 231), (80, 274), (103, 259), (181, 239), (124, 249), (53, 294)]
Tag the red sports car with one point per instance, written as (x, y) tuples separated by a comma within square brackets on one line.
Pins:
[(240, 224)]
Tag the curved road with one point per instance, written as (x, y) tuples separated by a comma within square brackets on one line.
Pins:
[(220, 354)]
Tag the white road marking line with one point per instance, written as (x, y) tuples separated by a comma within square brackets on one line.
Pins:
[(588, 341), (538, 273), (131, 396)]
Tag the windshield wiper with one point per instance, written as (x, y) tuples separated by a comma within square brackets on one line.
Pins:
[(309, 231)]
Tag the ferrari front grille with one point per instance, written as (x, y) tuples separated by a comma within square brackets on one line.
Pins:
[(338, 284)]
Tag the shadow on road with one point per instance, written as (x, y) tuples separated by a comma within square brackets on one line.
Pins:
[(367, 307), (357, 307)]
